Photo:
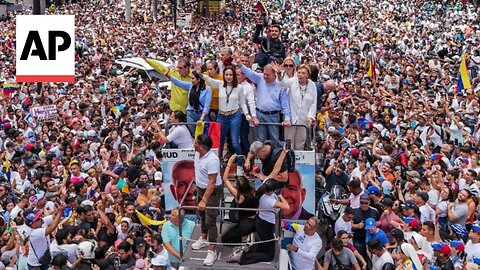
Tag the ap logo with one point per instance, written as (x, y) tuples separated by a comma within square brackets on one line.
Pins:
[(45, 48)]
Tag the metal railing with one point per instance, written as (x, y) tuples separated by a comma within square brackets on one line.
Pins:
[(275, 211), (308, 141), (309, 130)]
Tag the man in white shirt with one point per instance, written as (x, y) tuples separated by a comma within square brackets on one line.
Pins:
[(306, 245), (380, 255), (345, 221), (39, 236), (209, 192), (427, 213)]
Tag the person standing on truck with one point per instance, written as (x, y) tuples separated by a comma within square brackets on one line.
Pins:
[(209, 192)]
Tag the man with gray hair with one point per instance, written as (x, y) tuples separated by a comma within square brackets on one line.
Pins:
[(306, 243), (272, 99), (268, 154)]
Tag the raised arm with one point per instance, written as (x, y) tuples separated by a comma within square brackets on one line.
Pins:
[(252, 75), (226, 173), (182, 84), (156, 65), (214, 83)]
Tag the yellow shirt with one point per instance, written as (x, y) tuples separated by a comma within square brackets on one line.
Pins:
[(214, 103), (179, 97)]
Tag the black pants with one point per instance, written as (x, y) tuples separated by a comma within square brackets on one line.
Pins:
[(244, 227), (261, 252)]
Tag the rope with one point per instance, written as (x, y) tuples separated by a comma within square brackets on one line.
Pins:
[(233, 244)]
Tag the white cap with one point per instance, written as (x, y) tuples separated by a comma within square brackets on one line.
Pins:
[(158, 176), (91, 133), (88, 249)]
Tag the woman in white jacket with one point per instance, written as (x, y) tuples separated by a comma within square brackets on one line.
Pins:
[(230, 99), (302, 95)]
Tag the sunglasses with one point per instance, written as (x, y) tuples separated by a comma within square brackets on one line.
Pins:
[(289, 66)]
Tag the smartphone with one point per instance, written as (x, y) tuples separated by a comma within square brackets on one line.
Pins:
[(240, 160), (288, 144), (66, 211), (456, 142), (278, 191)]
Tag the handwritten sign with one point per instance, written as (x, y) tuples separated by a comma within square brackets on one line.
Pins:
[(44, 113)]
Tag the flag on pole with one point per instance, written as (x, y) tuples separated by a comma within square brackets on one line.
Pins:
[(371, 69), (261, 7), (463, 81), (286, 4)]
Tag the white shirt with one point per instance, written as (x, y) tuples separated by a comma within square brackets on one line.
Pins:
[(70, 250), (180, 135), (15, 211), (40, 243), (308, 248), (234, 96), (249, 93), (208, 164), (303, 99), (341, 224), (427, 213), (378, 262), (267, 202), (472, 250)]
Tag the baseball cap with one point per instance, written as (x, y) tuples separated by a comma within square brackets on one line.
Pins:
[(476, 260), (139, 242), (413, 222), (459, 230), (7, 256), (386, 202), (33, 217), (409, 204), (397, 234), (476, 227), (458, 244), (436, 156), (387, 187), (370, 223), (372, 190), (414, 174), (142, 184), (442, 247), (364, 198)]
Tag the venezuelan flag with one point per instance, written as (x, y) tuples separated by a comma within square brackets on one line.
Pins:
[(463, 81), (261, 7), (211, 129), (286, 5), (9, 88), (371, 69)]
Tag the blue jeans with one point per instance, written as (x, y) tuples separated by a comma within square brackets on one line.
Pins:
[(244, 130), (230, 125), (193, 116), (268, 132)]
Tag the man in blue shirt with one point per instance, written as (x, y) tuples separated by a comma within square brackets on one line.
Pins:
[(170, 236), (271, 100), (374, 232)]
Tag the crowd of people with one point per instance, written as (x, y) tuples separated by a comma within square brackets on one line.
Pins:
[(376, 81)]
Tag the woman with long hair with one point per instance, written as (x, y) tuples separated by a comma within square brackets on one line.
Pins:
[(244, 196), (230, 100), (199, 98), (264, 225)]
